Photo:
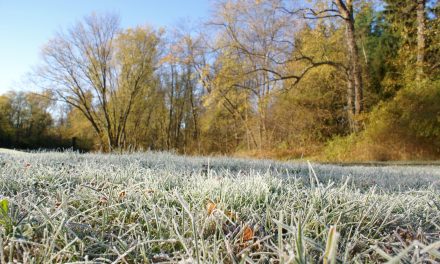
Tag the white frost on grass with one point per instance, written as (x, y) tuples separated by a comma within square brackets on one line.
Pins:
[(152, 207)]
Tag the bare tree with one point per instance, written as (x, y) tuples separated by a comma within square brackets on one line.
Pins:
[(101, 71), (263, 40), (342, 9)]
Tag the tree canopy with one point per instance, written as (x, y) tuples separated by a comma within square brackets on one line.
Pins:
[(337, 80)]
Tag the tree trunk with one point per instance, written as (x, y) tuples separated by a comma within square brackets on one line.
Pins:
[(355, 87), (355, 67), (350, 101), (170, 113), (420, 37)]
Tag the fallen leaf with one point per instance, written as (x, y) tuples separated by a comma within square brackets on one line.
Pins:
[(248, 234), (210, 207)]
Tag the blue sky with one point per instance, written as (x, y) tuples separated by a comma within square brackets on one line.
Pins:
[(26, 25)]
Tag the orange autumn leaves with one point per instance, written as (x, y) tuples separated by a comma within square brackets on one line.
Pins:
[(210, 207), (247, 232)]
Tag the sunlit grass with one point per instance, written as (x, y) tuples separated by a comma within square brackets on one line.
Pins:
[(159, 207)]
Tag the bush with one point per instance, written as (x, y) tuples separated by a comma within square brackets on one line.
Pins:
[(404, 128)]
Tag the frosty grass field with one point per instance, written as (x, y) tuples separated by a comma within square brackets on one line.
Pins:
[(161, 207)]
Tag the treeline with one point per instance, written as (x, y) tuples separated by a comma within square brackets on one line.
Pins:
[(29, 121), (337, 80)]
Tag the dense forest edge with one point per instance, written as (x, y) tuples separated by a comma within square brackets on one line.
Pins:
[(332, 81)]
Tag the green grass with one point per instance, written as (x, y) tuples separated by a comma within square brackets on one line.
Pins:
[(159, 207)]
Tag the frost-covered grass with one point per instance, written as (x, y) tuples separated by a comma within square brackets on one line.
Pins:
[(160, 207)]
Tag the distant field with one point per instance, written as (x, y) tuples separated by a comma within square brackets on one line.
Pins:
[(164, 208)]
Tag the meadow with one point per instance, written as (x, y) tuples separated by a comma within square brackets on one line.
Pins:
[(165, 208)]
